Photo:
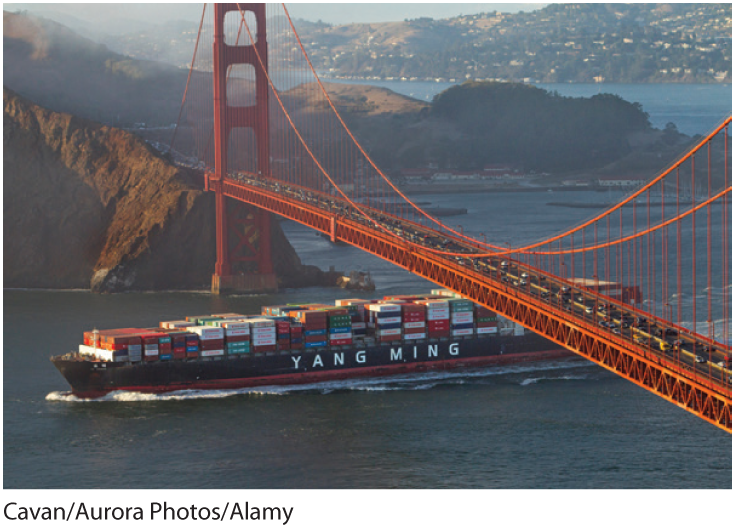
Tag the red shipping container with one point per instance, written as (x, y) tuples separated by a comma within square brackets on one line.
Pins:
[(237, 339), (341, 342), (150, 358), (438, 333), (315, 338), (438, 325), (488, 324), (297, 346), (192, 354), (179, 353), (212, 344), (297, 331), (264, 348)]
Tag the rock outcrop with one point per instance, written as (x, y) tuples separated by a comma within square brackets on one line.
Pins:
[(91, 206)]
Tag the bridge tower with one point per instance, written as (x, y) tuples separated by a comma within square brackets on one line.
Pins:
[(244, 261)]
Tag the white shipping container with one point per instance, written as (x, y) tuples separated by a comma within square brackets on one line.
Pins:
[(262, 342), (359, 326), (488, 330), (391, 331), (439, 316), (417, 324), (237, 332), (462, 317), (209, 353), (387, 320), (384, 308), (236, 325), (151, 353), (415, 336), (462, 332), (519, 331), (345, 335), (207, 332), (263, 332), (434, 304)]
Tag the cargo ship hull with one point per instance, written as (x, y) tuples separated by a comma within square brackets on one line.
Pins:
[(92, 379)]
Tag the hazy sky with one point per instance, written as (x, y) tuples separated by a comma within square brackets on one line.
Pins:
[(334, 13)]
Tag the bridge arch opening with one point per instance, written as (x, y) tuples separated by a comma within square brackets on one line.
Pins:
[(236, 33)]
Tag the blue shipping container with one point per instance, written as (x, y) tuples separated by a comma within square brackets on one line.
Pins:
[(322, 331), (165, 357), (343, 330), (315, 345)]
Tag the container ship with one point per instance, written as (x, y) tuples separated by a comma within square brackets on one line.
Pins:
[(296, 344)]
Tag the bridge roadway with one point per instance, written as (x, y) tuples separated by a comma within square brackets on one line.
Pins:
[(671, 361)]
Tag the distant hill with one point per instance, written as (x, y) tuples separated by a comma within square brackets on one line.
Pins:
[(58, 69), (612, 43)]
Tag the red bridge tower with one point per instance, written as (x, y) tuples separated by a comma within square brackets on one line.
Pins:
[(243, 237)]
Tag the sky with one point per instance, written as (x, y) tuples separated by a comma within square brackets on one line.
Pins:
[(333, 13)]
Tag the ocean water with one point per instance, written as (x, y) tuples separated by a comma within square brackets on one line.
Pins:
[(557, 424)]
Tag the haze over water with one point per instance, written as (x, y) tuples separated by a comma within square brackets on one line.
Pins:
[(562, 424)]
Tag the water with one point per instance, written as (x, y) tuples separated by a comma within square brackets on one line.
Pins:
[(560, 424), (693, 108)]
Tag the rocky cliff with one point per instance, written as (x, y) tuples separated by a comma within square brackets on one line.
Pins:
[(87, 205)]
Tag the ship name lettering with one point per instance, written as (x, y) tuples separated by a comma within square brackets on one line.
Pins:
[(339, 358), (433, 350), (396, 356), (454, 349), (360, 356), (296, 361), (318, 361)]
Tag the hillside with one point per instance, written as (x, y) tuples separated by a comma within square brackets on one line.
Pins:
[(612, 43), (86, 205), (60, 70)]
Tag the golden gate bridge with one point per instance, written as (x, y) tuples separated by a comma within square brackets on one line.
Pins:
[(642, 289)]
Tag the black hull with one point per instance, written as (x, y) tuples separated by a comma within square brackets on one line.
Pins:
[(92, 379)]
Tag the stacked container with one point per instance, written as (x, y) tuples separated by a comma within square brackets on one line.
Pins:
[(178, 343), (387, 321), (211, 340), (192, 345), (296, 332), (486, 321), (283, 334), (414, 321), (237, 337), (165, 349), (150, 345), (315, 327), (462, 316), (437, 318), (263, 334), (339, 323)]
